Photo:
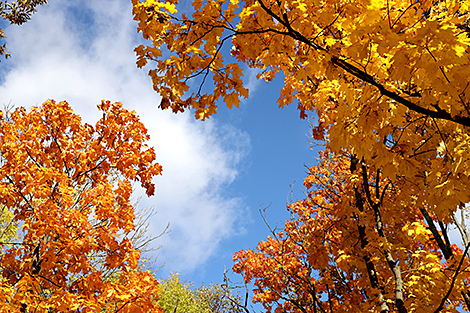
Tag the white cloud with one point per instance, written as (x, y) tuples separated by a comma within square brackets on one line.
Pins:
[(83, 52), (251, 82)]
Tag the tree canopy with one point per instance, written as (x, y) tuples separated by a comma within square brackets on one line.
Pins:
[(68, 185), (388, 82), (353, 245)]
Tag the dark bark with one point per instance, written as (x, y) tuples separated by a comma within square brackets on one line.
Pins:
[(399, 302), (445, 248), (454, 278), (374, 280), (36, 262)]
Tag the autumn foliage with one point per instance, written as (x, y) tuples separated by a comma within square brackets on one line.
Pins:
[(69, 185), (353, 245), (388, 82)]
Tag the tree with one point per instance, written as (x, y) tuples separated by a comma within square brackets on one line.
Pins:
[(353, 245), (388, 80), (177, 296), (17, 13), (68, 185)]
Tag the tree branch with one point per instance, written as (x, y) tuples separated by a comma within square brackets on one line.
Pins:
[(446, 250), (441, 305), (399, 302), (362, 75), (374, 281), (358, 73)]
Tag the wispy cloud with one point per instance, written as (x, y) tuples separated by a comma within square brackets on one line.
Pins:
[(250, 80), (82, 53)]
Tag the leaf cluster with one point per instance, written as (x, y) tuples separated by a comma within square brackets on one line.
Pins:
[(177, 296), (19, 12)]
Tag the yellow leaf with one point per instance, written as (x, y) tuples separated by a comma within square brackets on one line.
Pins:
[(232, 99)]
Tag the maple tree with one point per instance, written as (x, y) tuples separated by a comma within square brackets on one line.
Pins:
[(387, 81), (68, 185), (354, 245)]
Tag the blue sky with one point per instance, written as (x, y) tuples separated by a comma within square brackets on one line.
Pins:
[(216, 173)]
